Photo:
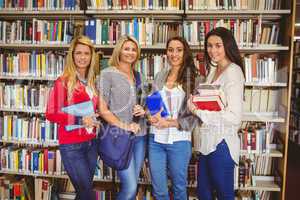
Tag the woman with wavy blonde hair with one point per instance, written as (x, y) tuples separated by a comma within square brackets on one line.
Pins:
[(77, 85), (69, 72), (120, 89)]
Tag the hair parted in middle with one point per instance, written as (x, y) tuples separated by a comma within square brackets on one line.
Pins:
[(69, 74), (188, 71), (230, 46), (115, 57)]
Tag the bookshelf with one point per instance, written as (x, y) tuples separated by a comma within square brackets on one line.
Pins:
[(183, 19), (295, 110)]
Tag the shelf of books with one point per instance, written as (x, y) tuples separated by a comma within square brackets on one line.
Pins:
[(34, 38), (295, 100)]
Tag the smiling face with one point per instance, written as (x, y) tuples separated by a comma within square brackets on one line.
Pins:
[(82, 56), (215, 49), (129, 52), (175, 53)]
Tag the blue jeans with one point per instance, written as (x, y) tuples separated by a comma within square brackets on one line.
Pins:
[(129, 177), (216, 172), (175, 158), (79, 161)]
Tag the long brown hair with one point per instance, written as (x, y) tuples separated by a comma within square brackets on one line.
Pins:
[(187, 72), (230, 46)]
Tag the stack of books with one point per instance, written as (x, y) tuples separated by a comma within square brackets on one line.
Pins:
[(209, 97)]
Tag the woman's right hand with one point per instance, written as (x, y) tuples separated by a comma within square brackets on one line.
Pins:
[(90, 121), (133, 127)]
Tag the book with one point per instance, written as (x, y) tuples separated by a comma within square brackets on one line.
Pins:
[(154, 103), (208, 89), (210, 103), (209, 97), (79, 110)]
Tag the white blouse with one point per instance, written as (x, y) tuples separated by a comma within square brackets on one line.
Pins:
[(172, 98), (224, 124)]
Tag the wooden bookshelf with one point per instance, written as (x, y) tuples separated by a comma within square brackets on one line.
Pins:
[(31, 142), (8, 14), (125, 14), (60, 176), (259, 49), (242, 14), (273, 153), (285, 16), (262, 117), (262, 84), (263, 186), (256, 49), (34, 111), (12, 77)]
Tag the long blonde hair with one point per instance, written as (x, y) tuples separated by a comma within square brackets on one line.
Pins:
[(69, 73), (115, 57)]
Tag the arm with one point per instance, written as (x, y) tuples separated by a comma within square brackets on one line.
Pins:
[(160, 122), (56, 101), (232, 113), (108, 116), (186, 120)]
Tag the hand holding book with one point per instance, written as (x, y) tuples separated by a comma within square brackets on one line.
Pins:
[(209, 97), (84, 110), (155, 104)]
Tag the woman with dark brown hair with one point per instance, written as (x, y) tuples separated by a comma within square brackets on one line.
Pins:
[(219, 141), (170, 137)]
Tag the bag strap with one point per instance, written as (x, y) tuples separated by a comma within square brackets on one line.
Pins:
[(137, 77)]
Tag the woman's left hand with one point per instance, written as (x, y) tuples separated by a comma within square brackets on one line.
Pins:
[(138, 110), (161, 123)]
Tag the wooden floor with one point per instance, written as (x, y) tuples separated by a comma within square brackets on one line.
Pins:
[(293, 173)]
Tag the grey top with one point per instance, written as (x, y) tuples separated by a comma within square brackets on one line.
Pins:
[(120, 95), (187, 121)]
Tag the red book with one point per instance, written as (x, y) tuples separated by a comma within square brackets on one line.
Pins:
[(17, 189), (46, 161), (210, 97), (211, 103)]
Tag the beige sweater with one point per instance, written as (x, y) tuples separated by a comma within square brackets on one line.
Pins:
[(224, 124)]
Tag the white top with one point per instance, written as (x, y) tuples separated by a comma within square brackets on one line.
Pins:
[(224, 124), (172, 98)]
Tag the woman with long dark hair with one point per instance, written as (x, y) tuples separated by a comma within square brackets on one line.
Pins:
[(219, 141), (170, 138)]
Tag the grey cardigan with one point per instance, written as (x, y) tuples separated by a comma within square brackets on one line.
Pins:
[(187, 121), (120, 95)]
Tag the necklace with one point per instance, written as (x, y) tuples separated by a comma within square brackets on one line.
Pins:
[(219, 71)]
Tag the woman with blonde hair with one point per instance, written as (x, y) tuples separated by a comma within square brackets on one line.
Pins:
[(76, 85), (120, 89)]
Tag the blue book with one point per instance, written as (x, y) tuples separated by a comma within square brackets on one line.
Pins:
[(73, 127), (79, 110), (154, 103), (35, 161), (43, 131)]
